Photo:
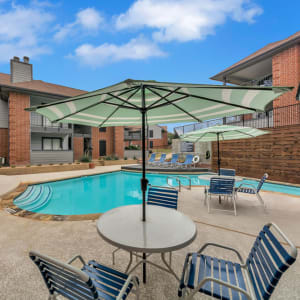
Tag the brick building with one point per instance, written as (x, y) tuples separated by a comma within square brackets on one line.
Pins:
[(275, 64), (29, 138), (157, 136)]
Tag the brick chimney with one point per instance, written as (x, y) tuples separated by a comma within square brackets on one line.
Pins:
[(20, 71)]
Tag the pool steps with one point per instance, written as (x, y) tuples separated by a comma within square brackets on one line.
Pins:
[(35, 197)]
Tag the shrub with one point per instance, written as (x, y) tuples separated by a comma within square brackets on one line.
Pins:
[(39, 165), (50, 164), (78, 163), (115, 157), (85, 158), (107, 158), (134, 158), (61, 164), (12, 166), (28, 166), (125, 158)]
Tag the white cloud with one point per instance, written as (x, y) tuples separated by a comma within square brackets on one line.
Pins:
[(185, 20), (135, 49), (88, 19), (21, 29)]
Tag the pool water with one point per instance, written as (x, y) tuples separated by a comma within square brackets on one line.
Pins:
[(100, 193)]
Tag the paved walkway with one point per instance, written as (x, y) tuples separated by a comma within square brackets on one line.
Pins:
[(20, 279)]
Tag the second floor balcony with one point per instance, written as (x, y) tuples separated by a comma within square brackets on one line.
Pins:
[(41, 124)]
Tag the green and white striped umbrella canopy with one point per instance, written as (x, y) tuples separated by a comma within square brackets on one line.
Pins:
[(226, 132), (121, 104)]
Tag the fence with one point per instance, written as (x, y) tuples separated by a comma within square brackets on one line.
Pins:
[(277, 117)]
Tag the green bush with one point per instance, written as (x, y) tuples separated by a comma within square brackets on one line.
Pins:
[(107, 158), (134, 158), (133, 147), (12, 166), (28, 166), (85, 158), (125, 158), (115, 157), (61, 164), (39, 165)]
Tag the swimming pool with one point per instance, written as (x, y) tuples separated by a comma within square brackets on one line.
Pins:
[(100, 193)]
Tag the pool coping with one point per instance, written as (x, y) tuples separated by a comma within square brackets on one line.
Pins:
[(6, 202)]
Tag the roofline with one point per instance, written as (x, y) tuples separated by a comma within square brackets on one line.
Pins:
[(256, 59), (33, 92)]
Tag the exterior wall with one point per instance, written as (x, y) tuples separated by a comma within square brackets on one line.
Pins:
[(108, 136), (134, 154), (78, 147), (19, 129), (4, 143), (119, 141), (3, 114), (277, 154), (286, 72), (47, 157)]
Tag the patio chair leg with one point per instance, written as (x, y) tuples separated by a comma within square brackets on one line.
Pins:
[(170, 258), (208, 204), (261, 200), (234, 204)]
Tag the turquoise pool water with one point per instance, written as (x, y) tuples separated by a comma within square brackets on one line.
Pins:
[(100, 193)]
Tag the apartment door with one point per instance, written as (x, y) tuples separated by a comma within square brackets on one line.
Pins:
[(102, 148)]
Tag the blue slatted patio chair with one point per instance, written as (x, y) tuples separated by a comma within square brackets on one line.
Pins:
[(256, 279), (161, 196), (152, 158), (227, 172), (161, 160), (92, 281), (249, 188), (188, 161), (172, 162), (220, 186)]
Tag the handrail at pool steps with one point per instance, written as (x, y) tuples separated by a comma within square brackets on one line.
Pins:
[(180, 185)]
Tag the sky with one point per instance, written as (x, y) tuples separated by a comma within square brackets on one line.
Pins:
[(94, 43)]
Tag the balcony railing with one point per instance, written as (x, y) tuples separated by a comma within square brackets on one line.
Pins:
[(277, 117), (38, 120)]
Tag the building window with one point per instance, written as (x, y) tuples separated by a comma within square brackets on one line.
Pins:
[(151, 133), (102, 129), (151, 144), (53, 144)]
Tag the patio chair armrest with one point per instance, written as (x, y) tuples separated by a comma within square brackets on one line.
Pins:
[(221, 282), (130, 279), (223, 247), (286, 239), (78, 256), (181, 284)]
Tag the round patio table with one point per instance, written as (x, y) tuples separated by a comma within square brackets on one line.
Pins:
[(165, 230)]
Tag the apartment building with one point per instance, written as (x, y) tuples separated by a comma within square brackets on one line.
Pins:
[(277, 64), (29, 138)]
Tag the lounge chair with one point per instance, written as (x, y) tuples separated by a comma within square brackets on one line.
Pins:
[(188, 161), (249, 188), (227, 172), (92, 281), (152, 158), (172, 162), (161, 160), (220, 186), (161, 196), (254, 280)]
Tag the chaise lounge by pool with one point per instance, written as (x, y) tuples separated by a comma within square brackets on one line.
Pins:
[(100, 193)]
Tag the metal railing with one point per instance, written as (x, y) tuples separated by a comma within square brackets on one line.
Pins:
[(277, 117)]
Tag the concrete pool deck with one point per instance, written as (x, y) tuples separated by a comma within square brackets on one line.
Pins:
[(20, 279)]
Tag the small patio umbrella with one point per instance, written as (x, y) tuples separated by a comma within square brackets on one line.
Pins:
[(227, 132)]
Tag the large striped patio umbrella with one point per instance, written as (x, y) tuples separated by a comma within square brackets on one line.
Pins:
[(223, 132), (137, 102)]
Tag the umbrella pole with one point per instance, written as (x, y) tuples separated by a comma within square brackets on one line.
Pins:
[(144, 181), (219, 160)]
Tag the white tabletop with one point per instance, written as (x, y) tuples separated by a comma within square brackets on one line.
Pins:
[(209, 176), (165, 229)]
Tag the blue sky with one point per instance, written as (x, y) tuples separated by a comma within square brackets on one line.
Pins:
[(91, 44)]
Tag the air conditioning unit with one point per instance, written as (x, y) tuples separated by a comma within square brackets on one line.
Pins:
[(2, 161)]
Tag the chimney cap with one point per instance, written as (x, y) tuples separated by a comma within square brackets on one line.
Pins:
[(26, 59), (16, 58)]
